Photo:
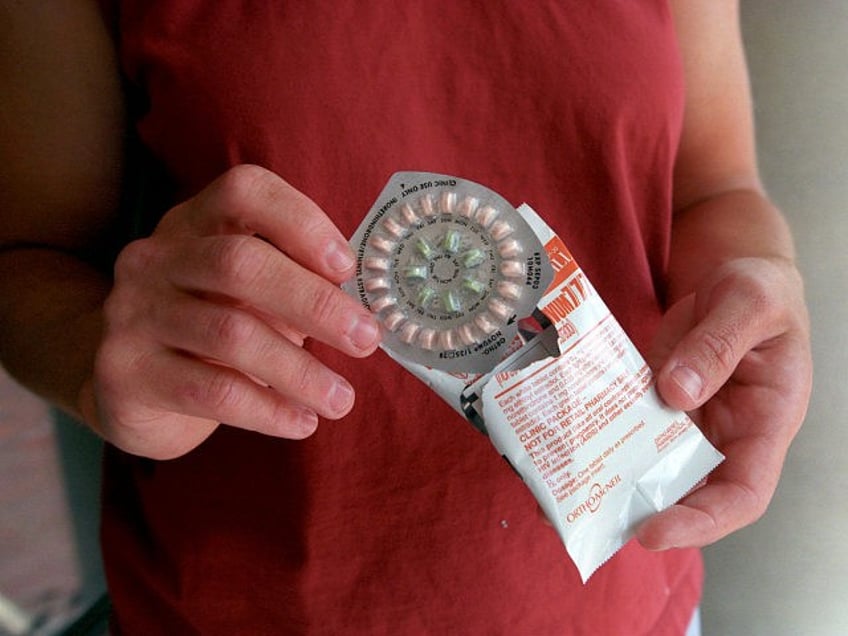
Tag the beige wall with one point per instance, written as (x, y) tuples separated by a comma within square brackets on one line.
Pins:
[(788, 574)]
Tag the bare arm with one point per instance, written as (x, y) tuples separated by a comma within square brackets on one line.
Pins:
[(202, 322), (61, 126), (734, 345), (721, 209)]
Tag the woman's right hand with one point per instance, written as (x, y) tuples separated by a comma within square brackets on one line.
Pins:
[(207, 318)]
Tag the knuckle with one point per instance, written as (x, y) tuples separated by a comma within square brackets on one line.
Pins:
[(220, 393), (247, 186), (303, 376), (239, 260), (756, 293), (721, 346), (250, 186), (325, 305), (136, 257), (762, 303), (312, 224), (231, 330), (241, 182)]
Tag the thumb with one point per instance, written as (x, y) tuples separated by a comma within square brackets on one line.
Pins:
[(705, 358)]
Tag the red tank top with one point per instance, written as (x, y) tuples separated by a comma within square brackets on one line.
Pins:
[(399, 519)]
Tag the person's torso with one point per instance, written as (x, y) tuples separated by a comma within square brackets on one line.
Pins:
[(400, 518)]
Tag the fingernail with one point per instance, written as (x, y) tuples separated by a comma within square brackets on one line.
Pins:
[(689, 381), (363, 332), (339, 257), (305, 421), (341, 396)]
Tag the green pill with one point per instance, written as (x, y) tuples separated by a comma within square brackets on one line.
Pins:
[(452, 241), (451, 301), (424, 248), (425, 295), (416, 272), (473, 285), (472, 258)]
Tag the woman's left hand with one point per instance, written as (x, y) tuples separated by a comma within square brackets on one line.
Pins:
[(736, 355)]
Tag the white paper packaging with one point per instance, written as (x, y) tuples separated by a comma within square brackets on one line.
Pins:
[(572, 407)]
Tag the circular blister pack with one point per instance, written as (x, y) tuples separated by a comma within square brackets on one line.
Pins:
[(448, 266)]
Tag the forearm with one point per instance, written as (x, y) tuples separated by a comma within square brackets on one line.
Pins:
[(739, 223), (50, 322), (61, 144), (733, 346)]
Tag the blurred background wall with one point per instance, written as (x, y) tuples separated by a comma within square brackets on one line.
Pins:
[(788, 574)]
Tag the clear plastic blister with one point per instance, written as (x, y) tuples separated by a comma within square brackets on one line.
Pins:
[(449, 267)]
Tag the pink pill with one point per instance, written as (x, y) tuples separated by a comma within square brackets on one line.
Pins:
[(383, 244), (393, 320), (466, 334), (375, 263), (447, 202), (427, 338), (486, 323), (500, 230), (426, 203), (513, 269), (408, 332), (486, 215), (447, 339), (509, 248), (467, 206), (501, 309), (408, 214), (377, 284), (509, 290), (381, 303), (394, 228)]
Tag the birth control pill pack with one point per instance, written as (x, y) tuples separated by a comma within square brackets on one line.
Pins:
[(448, 266), (484, 303)]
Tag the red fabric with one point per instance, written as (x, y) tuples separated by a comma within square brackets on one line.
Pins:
[(400, 519)]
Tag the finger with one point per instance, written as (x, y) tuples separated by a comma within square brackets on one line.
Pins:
[(240, 340), (251, 200), (255, 274), (735, 495), (732, 324), (709, 515), (703, 518), (675, 324), (186, 385)]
